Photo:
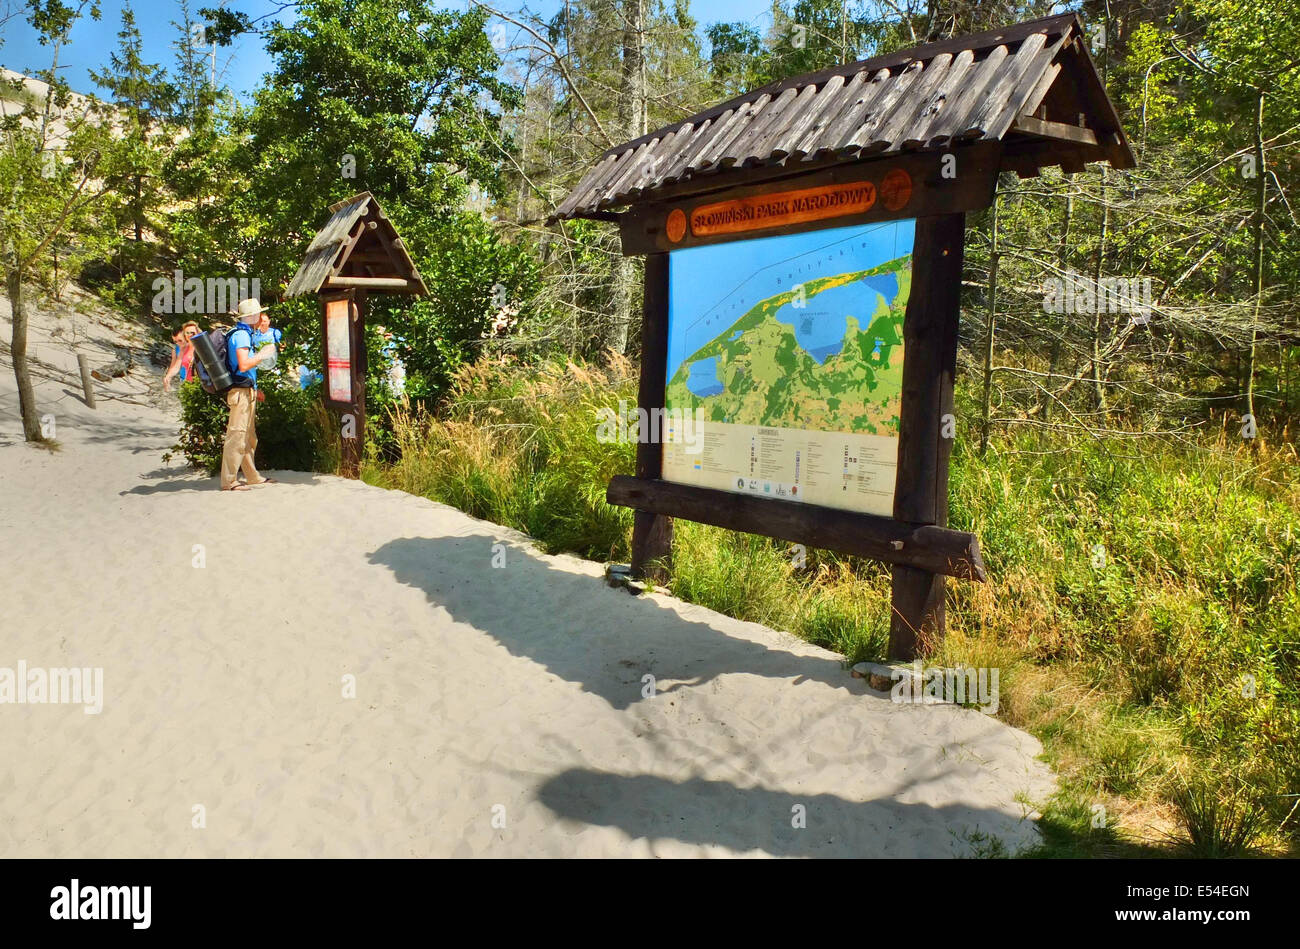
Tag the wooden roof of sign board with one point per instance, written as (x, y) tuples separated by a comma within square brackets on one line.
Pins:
[(1032, 88), (358, 248)]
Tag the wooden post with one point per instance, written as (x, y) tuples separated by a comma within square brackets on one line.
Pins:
[(87, 384), (652, 534), (929, 362), (354, 448)]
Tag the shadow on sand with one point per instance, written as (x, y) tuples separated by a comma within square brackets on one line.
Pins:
[(623, 637), (183, 480), (702, 812)]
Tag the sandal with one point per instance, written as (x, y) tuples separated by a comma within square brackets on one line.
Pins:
[(264, 481), (238, 486)]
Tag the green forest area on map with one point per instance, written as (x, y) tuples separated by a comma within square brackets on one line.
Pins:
[(766, 377)]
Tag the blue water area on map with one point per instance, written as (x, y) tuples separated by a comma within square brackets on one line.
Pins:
[(703, 380), (886, 284), (819, 326), (711, 287)]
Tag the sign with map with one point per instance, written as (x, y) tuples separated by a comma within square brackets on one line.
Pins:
[(785, 365)]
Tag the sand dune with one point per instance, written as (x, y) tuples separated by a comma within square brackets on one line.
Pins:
[(497, 712)]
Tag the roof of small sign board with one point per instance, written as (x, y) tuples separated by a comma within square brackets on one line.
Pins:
[(358, 248), (1032, 88)]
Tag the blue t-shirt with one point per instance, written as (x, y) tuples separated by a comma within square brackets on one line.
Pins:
[(241, 338), (260, 341)]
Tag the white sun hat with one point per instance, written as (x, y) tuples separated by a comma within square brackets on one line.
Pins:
[(249, 308)]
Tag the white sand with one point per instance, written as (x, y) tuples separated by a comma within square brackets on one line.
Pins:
[(515, 689)]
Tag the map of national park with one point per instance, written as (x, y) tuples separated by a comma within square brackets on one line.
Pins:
[(782, 346), (828, 356)]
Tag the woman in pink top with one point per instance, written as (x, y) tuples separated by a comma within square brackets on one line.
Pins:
[(182, 355)]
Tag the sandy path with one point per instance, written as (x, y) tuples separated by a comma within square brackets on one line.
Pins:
[(514, 692)]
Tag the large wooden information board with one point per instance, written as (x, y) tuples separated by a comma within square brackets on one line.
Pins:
[(804, 248)]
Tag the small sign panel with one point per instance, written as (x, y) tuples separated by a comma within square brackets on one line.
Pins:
[(780, 208), (338, 350)]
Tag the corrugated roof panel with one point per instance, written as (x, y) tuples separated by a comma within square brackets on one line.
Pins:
[(740, 123), (1014, 100), (703, 132), (751, 140), (997, 100), (935, 107), (852, 109), (326, 244), (964, 89), (808, 121), (903, 114)]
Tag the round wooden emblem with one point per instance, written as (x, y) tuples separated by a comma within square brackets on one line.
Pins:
[(896, 189), (676, 224)]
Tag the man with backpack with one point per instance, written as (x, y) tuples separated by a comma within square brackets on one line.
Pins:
[(242, 398)]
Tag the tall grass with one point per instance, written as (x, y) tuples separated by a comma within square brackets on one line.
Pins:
[(1143, 603)]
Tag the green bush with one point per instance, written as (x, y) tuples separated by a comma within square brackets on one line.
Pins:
[(290, 430), (520, 448)]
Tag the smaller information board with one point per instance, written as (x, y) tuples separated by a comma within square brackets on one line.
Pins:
[(338, 350)]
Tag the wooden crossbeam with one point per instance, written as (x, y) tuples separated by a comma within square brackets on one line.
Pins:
[(927, 547), (345, 251), (1059, 131), (371, 283)]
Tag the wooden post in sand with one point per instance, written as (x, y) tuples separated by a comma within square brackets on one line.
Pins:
[(354, 447), (917, 622), (87, 386), (652, 534)]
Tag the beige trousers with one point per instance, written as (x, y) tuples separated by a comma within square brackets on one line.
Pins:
[(241, 438)]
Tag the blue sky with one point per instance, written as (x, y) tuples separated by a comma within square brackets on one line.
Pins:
[(242, 65)]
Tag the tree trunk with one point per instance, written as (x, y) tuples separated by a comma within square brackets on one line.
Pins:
[(137, 212), (989, 327), (1099, 389), (623, 288), (632, 121), (1260, 197), (18, 348), (1062, 263)]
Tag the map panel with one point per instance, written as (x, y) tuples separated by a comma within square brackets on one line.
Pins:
[(785, 365)]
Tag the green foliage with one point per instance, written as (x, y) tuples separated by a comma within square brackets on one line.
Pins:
[(143, 100), (397, 97), (52, 189), (472, 275), (399, 88), (1218, 825), (809, 35), (521, 449)]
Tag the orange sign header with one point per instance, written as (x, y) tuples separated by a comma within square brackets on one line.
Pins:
[(762, 211)]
